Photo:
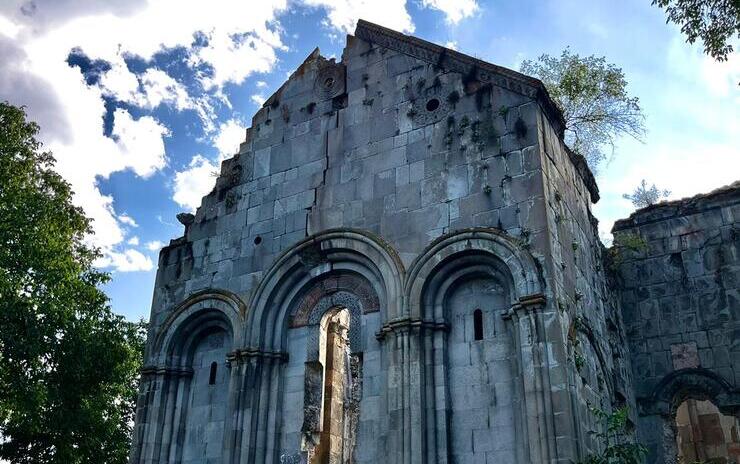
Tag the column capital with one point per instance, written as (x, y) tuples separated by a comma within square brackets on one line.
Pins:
[(532, 302)]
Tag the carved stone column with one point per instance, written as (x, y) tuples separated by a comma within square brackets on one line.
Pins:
[(535, 423)]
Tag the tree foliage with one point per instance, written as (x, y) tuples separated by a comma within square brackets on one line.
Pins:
[(593, 97), (68, 365), (616, 438), (715, 22), (644, 196)]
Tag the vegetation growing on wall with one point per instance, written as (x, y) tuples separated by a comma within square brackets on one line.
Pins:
[(616, 439)]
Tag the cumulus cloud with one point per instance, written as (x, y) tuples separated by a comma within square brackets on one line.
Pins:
[(258, 99), (154, 245), (139, 142), (198, 178), (224, 43), (128, 220), (192, 183), (230, 135), (149, 90), (129, 260), (454, 10), (133, 241), (342, 15)]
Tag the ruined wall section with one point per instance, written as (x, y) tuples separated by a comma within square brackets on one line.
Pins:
[(681, 287), (260, 203), (679, 265), (588, 315)]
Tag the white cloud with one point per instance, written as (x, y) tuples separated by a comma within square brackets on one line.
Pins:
[(140, 142), (133, 241), (454, 10), (194, 182), (154, 245), (128, 220), (261, 84), (238, 38), (8, 27), (258, 100), (230, 135), (452, 45), (149, 90), (197, 180), (129, 260), (343, 14), (693, 137), (233, 57)]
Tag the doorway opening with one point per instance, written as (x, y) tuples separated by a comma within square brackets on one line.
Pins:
[(705, 435)]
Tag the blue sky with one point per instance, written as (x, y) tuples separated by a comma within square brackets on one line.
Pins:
[(140, 100)]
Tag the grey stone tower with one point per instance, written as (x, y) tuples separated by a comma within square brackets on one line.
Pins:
[(399, 265)]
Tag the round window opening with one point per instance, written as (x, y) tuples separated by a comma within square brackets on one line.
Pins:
[(432, 104), (257, 240), (329, 82)]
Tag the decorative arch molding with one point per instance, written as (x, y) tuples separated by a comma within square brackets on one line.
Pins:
[(203, 311), (696, 383), (452, 253), (329, 260)]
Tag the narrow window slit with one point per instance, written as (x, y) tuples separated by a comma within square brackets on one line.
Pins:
[(212, 376), (478, 324)]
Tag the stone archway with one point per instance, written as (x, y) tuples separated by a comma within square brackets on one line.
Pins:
[(704, 434), (657, 424)]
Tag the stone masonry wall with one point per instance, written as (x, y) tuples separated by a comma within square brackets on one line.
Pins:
[(679, 263), (592, 341), (409, 143)]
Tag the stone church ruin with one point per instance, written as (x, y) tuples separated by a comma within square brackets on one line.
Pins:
[(401, 265)]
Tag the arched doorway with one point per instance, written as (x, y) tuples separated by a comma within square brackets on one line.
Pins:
[(704, 434)]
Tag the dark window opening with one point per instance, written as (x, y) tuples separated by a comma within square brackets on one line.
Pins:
[(478, 324), (329, 82), (432, 104), (257, 240), (212, 376)]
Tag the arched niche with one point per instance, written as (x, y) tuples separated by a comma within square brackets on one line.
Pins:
[(201, 311), (472, 406), (190, 353), (340, 268), (502, 254)]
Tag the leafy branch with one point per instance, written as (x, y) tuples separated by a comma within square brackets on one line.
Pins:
[(615, 434)]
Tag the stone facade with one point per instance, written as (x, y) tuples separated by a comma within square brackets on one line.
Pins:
[(681, 304), (428, 198)]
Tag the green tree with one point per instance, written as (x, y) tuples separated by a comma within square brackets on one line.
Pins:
[(593, 97), (644, 196), (715, 22), (68, 365)]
